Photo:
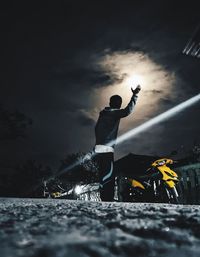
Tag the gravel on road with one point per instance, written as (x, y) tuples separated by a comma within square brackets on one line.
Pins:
[(66, 228)]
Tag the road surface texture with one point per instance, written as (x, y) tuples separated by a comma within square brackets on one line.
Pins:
[(62, 228)]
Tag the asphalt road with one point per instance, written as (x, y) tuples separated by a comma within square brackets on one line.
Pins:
[(62, 228)]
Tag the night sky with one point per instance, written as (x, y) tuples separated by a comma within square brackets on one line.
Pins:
[(61, 62)]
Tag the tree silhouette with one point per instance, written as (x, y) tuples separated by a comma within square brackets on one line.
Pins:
[(13, 125), (85, 170), (26, 180), (29, 179)]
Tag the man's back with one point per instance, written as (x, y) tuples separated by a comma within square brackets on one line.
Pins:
[(106, 127), (108, 123)]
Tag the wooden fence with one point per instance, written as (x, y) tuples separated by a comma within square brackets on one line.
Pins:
[(189, 184)]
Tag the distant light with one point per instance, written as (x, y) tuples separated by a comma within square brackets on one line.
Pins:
[(78, 190)]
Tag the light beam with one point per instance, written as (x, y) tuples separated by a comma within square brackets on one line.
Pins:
[(158, 119)]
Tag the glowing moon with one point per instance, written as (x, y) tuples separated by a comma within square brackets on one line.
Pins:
[(128, 69), (134, 80)]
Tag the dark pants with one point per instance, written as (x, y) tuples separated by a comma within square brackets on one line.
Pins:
[(106, 176)]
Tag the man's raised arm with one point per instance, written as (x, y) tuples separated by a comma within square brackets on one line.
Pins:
[(129, 108)]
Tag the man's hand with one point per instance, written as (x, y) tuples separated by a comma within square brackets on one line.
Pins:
[(137, 90)]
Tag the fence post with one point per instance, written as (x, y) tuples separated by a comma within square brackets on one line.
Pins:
[(189, 185)]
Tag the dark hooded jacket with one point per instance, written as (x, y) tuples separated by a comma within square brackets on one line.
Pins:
[(106, 128)]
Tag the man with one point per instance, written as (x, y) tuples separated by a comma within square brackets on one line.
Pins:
[(106, 134)]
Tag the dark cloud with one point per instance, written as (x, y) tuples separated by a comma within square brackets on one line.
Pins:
[(154, 91), (167, 102), (85, 77), (84, 119)]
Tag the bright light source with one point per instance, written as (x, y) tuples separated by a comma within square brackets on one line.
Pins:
[(78, 190), (134, 80)]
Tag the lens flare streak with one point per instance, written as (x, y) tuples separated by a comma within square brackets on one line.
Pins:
[(158, 119)]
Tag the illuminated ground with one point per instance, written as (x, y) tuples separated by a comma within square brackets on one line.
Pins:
[(62, 228)]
